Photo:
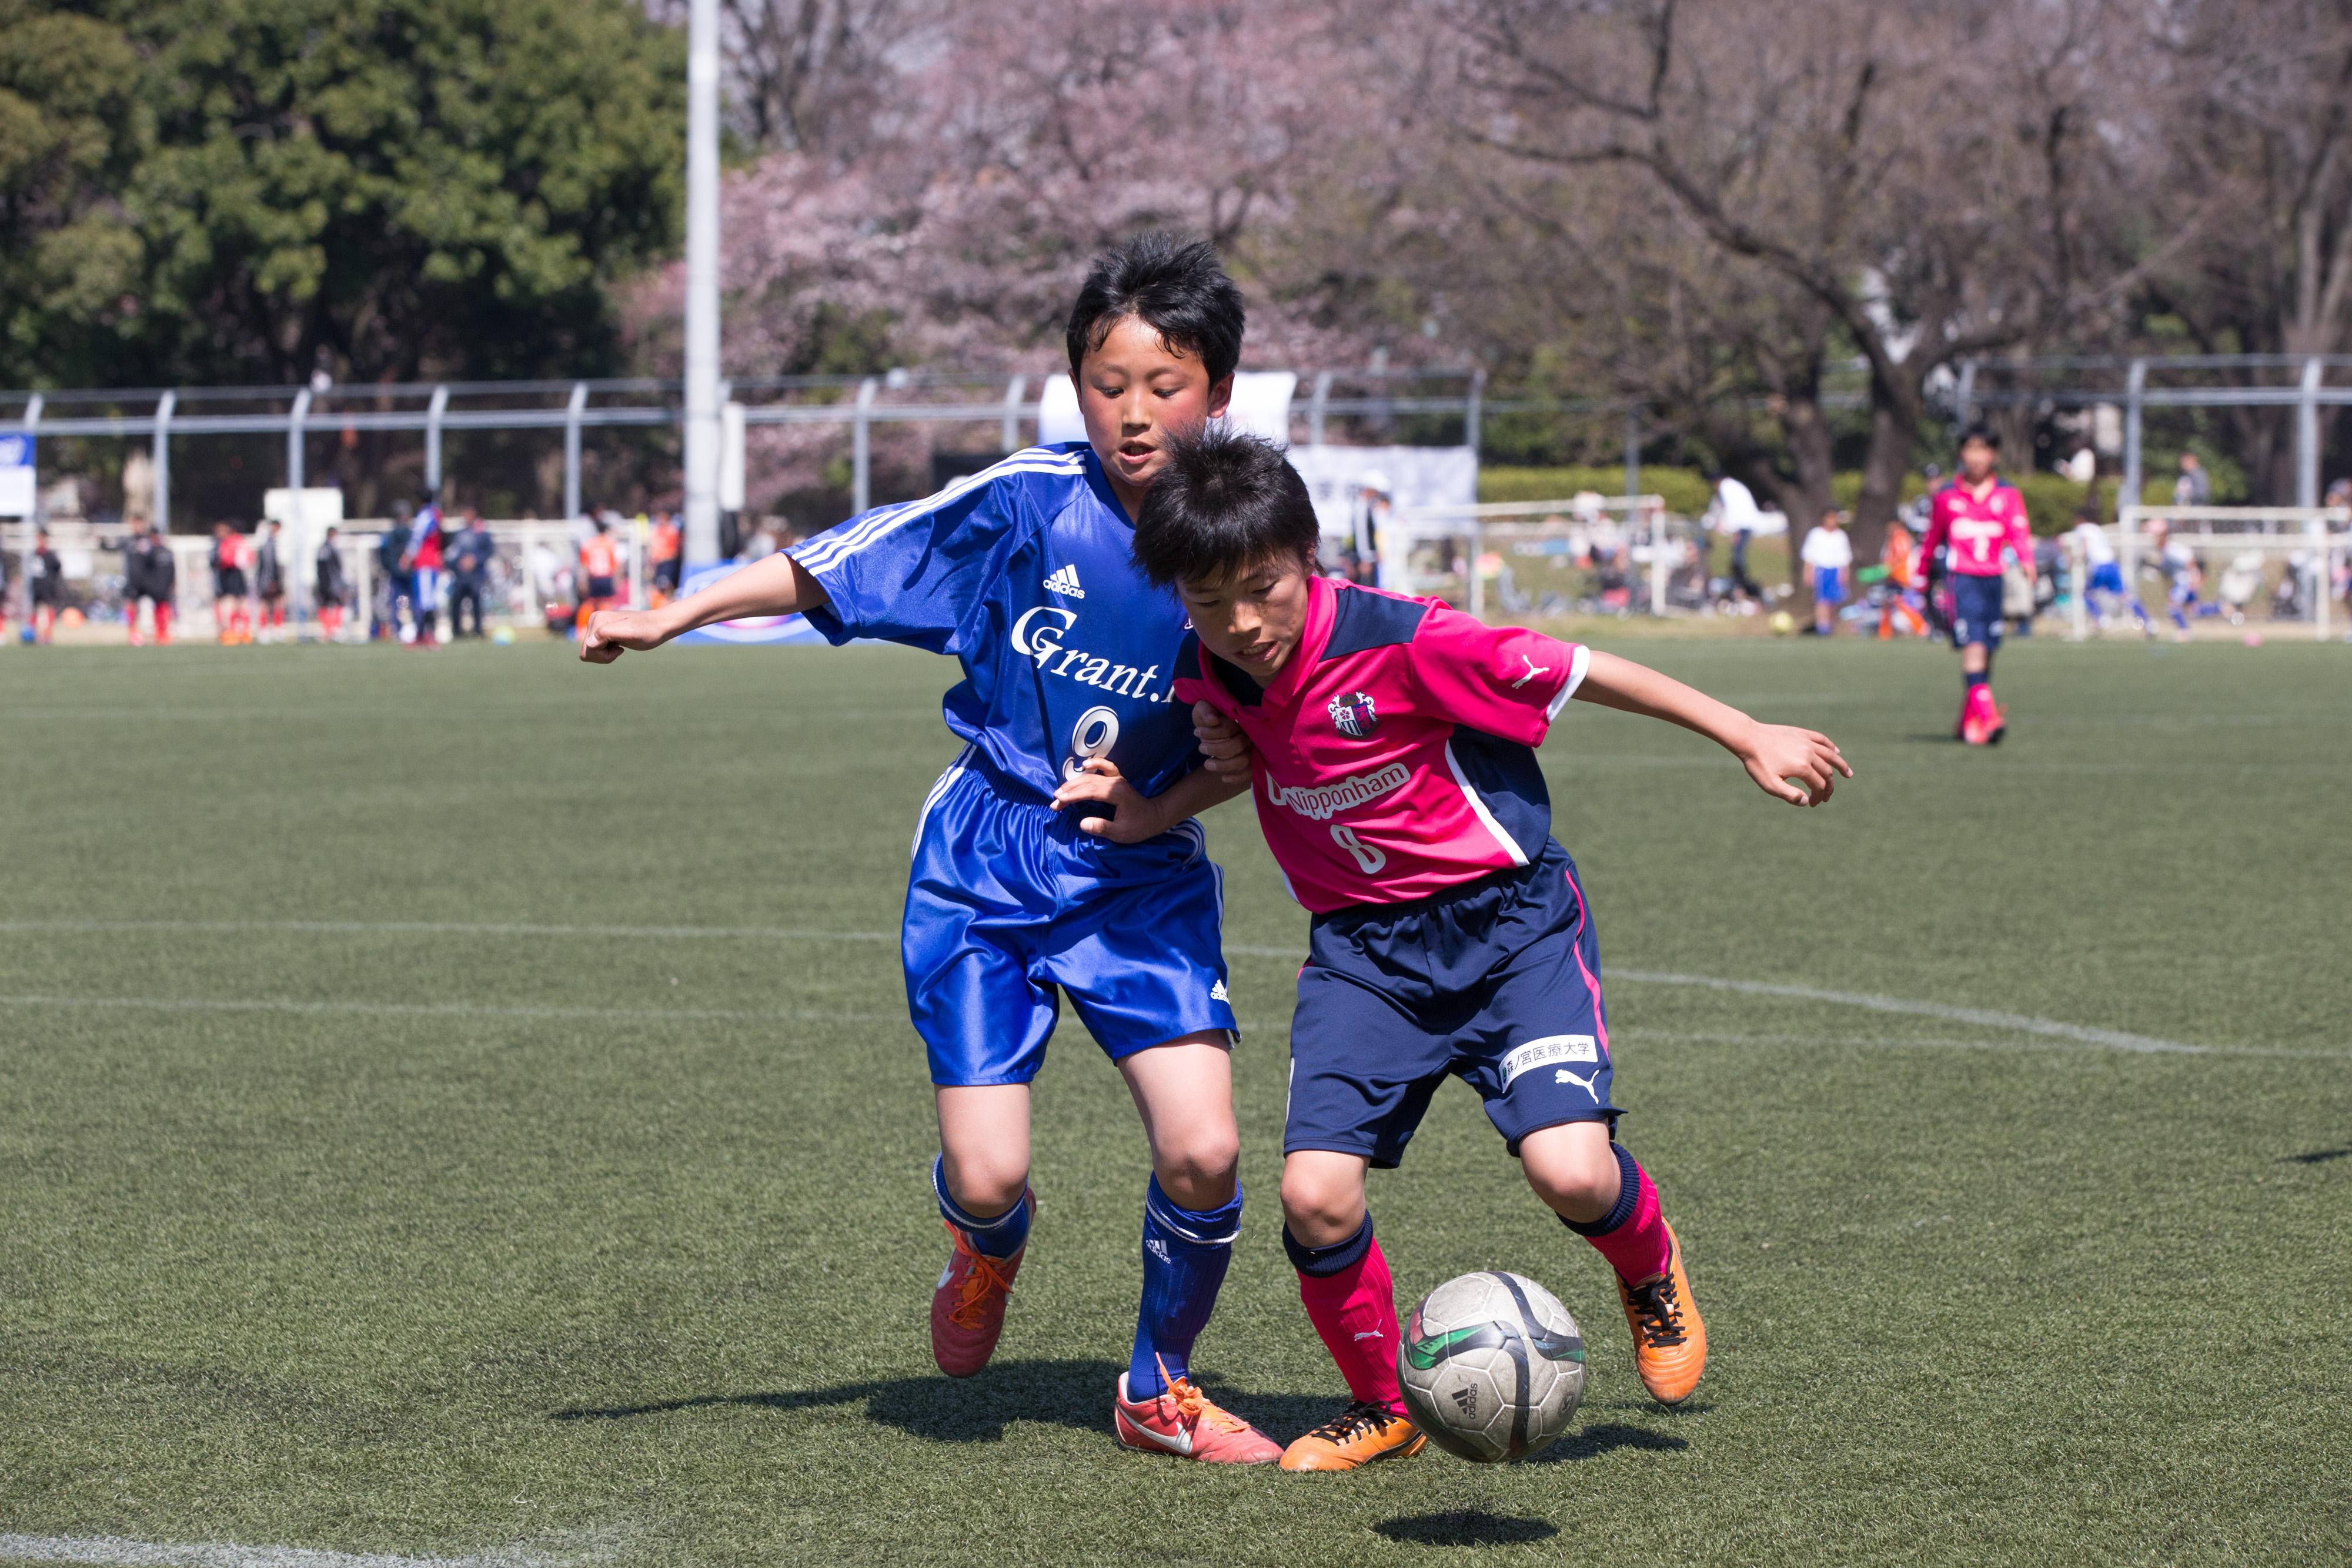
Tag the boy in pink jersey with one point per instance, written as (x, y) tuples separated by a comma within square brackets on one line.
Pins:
[(1398, 787), (1983, 520)]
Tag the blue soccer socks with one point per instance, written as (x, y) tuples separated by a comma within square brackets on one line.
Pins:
[(999, 1237), (1184, 1258)]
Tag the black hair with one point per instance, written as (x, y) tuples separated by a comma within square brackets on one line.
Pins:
[(1177, 289), (1225, 502), (1984, 432)]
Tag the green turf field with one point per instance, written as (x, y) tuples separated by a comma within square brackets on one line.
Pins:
[(347, 1203)]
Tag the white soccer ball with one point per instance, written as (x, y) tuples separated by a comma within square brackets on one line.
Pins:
[(1493, 1367)]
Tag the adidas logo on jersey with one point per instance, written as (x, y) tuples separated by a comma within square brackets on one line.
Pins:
[(1064, 582)]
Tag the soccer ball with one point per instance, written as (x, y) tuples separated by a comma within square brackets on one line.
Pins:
[(1782, 623), (1493, 1367)]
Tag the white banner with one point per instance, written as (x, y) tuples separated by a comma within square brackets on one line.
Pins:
[(1409, 476), (17, 476)]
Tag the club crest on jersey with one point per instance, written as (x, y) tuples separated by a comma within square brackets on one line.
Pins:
[(1353, 715)]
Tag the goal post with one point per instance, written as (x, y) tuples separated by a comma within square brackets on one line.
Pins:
[(2315, 533), (1649, 533)]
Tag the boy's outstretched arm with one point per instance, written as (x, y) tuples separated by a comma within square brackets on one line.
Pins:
[(1799, 765), (776, 586)]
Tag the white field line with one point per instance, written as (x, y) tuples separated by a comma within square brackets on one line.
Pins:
[(2111, 1040), (2114, 1039), (455, 928), (443, 1009), (117, 1550), (1900, 1042)]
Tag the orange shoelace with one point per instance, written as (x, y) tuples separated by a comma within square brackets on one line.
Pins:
[(1191, 1404), (977, 1285)]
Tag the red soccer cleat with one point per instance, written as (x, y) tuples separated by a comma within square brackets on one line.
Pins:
[(1183, 1423), (968, 1307)]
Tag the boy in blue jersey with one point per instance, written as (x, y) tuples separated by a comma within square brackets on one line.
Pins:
[(1023, 573)]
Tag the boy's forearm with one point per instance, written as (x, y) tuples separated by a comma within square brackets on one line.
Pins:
[(778, 585), (1195, 793), (1621, 683)]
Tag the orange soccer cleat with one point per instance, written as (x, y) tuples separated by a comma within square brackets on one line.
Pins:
[(968, 1307), (1360, 1434), (1184, 1422), (1669, 1339)]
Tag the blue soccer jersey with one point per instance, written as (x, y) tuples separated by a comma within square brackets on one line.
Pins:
[(1023, 573)]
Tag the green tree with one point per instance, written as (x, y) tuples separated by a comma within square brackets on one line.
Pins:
[(382, 189), (69, 130)]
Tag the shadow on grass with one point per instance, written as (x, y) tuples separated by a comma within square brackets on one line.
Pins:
[(1469, 1527), (1594, 1441), (941, 1409), (2316, 1156)]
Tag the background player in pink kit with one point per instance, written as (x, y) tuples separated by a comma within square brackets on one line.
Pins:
[(1399, 789), (1981, 519)]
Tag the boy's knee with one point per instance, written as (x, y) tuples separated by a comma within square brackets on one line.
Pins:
[(1575, 1176), (1199, 1170), (985, 1182), (1319, 1209)]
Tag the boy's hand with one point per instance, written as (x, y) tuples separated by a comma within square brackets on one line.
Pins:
[(612, 632), (1134, 818), (1226, 748), (1799, 765)]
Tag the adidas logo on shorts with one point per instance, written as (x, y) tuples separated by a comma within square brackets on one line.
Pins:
[(1064, 582), (1217, 992)]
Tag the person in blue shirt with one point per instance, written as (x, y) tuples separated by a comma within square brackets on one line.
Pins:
[(1023, 573)]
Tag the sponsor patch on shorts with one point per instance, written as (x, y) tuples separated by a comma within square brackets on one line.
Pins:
[(1544, 1052)]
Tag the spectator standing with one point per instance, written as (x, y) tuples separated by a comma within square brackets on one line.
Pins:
[(600, 567), (1737, 514), (230, 620), (664, 549), (1829, 553), (469, 552), (2195, 486), (423, 563), (330, 588), (269, 583), (149, 572), (45, 589), (392, 557)]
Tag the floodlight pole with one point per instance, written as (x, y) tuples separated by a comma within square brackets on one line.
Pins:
[(1011, 434), (432, 414), (2306, 438), (2134, 387), (702, 434)]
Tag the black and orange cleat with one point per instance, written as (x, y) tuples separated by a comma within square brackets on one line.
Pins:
[(1363, 1434), (1669, 1339)]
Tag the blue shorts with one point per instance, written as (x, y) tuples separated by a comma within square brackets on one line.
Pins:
[(1010, 906), (1975, 610), (1829, 585), (2107, 578), (1497, 983)]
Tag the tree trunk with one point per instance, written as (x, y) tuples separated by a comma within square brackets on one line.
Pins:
[(1894, 425)]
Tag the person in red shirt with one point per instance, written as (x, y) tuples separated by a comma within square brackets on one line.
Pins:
[(663, 551), (1397, 785), (1982, 521)]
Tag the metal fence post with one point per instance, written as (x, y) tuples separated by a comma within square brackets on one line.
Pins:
[(433, 413), (2135, 386), (861, 456), (1632, 450), (295, 422), (572, 412), (1316, 403), (2078, 567), (163, 458), (1471, 421), (32, 518), (1009, 437), (2306, 435)]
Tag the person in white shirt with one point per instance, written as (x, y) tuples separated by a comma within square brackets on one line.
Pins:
[(2103, 587), (1829, 553), (1737, 514)]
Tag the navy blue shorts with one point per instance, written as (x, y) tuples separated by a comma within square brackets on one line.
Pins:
[(1010, 906), (1975, 610), (1497, 983)]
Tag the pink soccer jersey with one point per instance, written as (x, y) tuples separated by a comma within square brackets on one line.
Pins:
[(1395, 749), (1977, 527)]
